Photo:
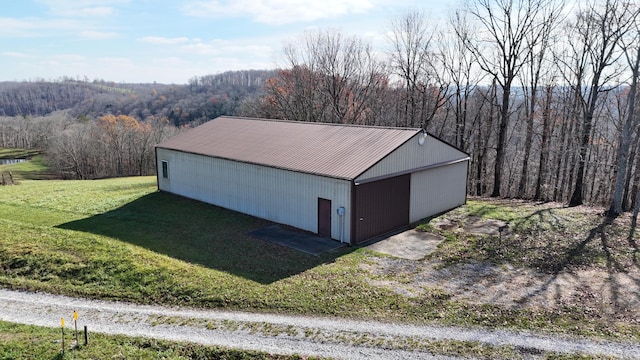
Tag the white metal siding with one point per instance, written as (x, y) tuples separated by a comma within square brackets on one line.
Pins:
[(278, 195), (437, 190), (412, 155)]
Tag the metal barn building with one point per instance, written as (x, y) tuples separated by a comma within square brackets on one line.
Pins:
[(350, 183)]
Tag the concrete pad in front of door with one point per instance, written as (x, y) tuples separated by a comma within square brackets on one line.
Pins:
[(411, 244), (297, 239)]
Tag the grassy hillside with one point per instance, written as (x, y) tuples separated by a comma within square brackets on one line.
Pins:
[(21, 342), (17, 153), (34, 169), (121, 239)]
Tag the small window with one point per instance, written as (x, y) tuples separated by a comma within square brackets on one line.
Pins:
[(165, 169)]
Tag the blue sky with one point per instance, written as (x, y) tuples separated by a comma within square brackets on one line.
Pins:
[(172, 41)]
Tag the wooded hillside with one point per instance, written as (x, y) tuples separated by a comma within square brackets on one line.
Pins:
[(100, 129), (202, 99), (541, 95)]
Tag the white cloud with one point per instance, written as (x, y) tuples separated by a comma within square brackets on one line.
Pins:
[(29, 27), (16, 27), (276, 12), (61, 64), (77, 17), (97, 35), (221, 64), (116, 61), (69, 58), (226, 48), (214, 47), (34, 27), (40, 28), (157, 40), (82, 8), (15, 54), (169, 61), (200, 48), (100, 11), (176, 69)]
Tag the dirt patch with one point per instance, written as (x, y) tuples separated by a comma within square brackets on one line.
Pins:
[(616, 295), (551, 258), (411, 244), (478, 226)]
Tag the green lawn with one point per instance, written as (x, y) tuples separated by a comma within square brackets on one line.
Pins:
[(22, 342), (12, 153), (121, 239), (34, 169)]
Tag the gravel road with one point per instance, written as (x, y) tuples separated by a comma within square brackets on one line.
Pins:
[(281, 334)]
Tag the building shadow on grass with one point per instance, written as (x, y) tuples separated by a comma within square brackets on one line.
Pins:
[(202, 234)]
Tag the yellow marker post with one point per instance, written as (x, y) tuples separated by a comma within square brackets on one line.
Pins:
[(75, 323), (62, 323)]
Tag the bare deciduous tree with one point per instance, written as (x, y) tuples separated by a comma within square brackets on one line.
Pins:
[(631, 48), (598, 31), (537, 69), (509, 29), (460, 66), (414, 60), (332, 78)]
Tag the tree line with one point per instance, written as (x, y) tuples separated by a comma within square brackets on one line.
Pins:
[(201, 99), (81, 149), (540, 93), (100, 129)]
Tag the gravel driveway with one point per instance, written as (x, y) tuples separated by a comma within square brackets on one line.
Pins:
[(280, 334)]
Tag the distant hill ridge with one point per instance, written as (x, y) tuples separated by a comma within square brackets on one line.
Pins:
[(202, 98)]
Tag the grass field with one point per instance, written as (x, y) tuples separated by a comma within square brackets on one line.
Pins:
[(121, 239), (34, 169), (11, 153), (21, 342)]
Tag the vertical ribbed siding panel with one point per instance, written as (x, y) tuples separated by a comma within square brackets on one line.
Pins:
[(412, 155), (278, 195), (437, 190)]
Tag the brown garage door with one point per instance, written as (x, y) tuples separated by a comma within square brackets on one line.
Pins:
[(381, 206)]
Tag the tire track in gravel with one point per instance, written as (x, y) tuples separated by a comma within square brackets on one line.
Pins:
[(281, 334)]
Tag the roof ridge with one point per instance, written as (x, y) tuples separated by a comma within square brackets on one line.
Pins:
[(319, 123)]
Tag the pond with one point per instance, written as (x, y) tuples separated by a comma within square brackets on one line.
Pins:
[(11, 161)]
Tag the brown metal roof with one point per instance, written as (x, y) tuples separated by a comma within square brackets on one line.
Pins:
[(338, 151)]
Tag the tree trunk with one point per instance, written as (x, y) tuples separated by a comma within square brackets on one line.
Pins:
[(479, 167), (544, 146), (635, 194), (615, 208), (568, 160), (626, 199), (636, 182), (502, 139), (562, 159), (522, 186), (463, 124), (591, 170), (587, 124), (636, 208)]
